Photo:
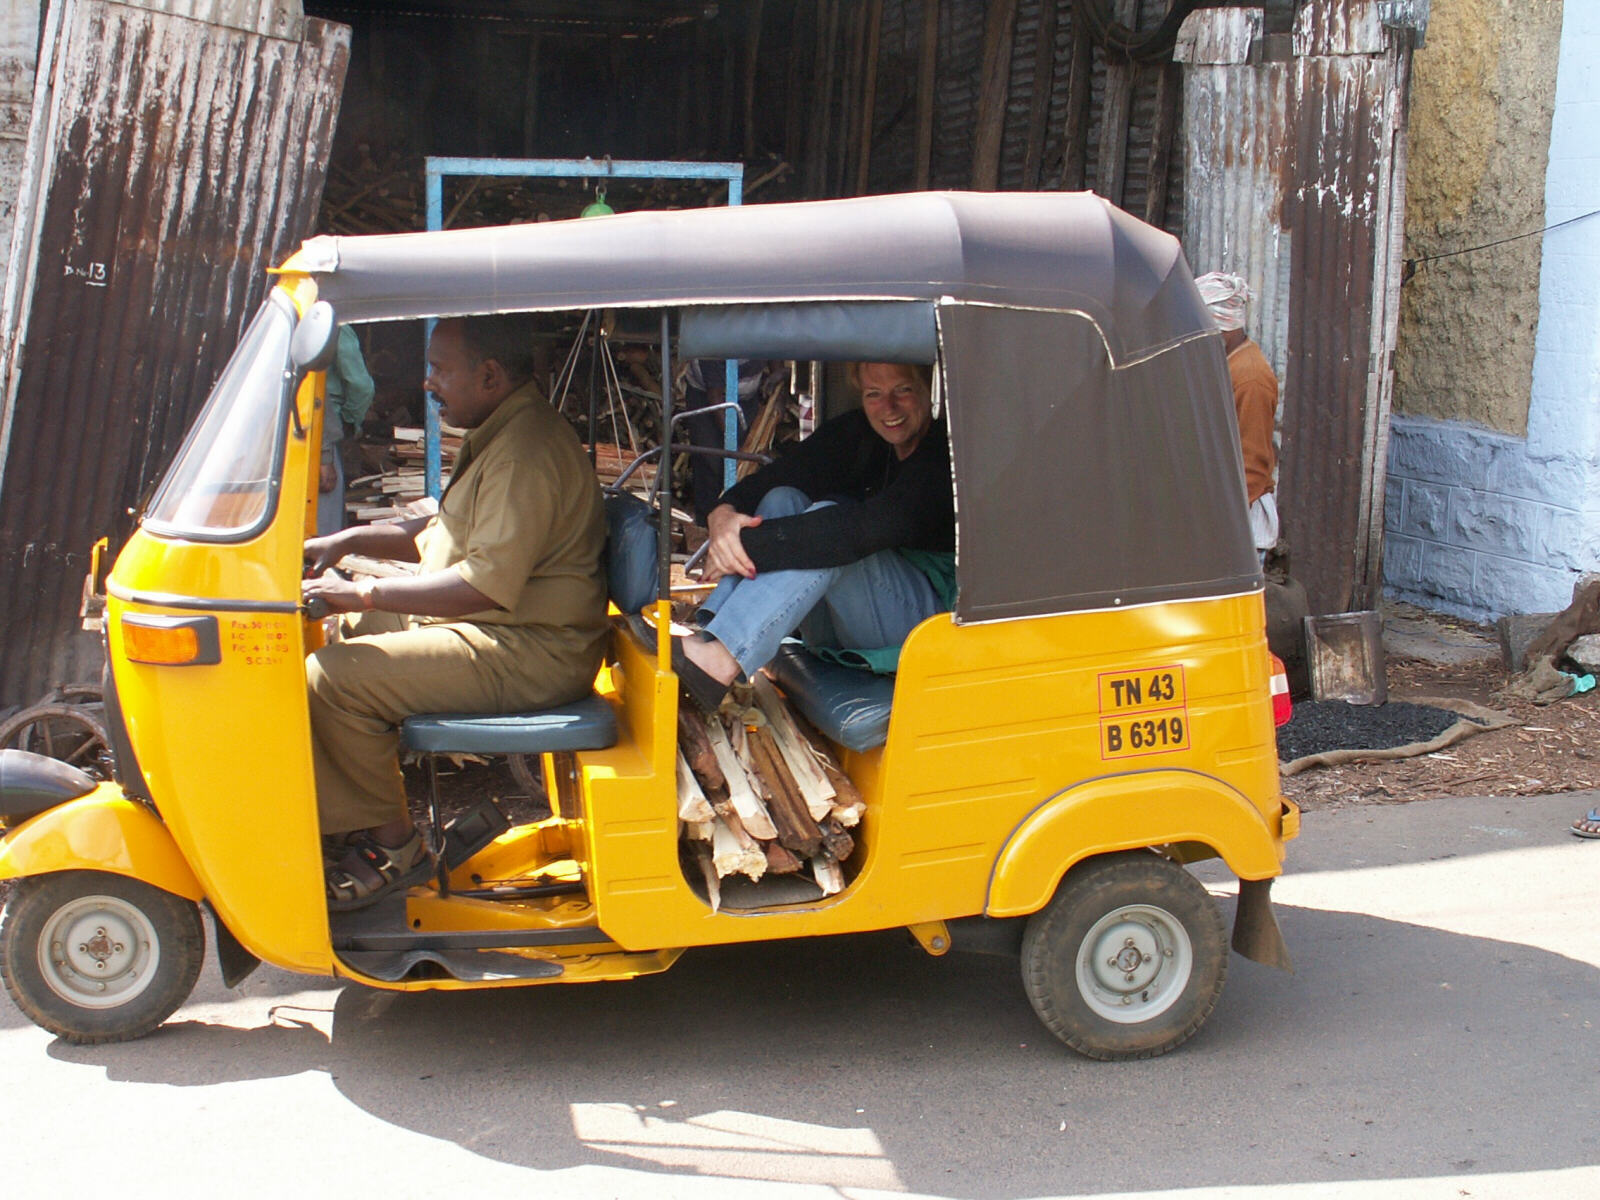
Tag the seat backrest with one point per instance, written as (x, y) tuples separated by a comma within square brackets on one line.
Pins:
[(630, 557)]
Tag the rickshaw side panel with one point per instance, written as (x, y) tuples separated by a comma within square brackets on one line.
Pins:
[(992, 720), (102, 831), (225, 749), (1127, 812)]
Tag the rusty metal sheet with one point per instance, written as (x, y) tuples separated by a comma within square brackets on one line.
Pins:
[(19, 35), (1296, 180), (171, 161)]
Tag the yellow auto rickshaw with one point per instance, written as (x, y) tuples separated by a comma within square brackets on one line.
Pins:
[(1094, 714)]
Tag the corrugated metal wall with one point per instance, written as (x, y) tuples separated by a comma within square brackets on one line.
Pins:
[(1296, 170), (171, 161), (19, 37)]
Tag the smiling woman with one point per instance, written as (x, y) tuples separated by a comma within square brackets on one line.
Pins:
[(850, 539)]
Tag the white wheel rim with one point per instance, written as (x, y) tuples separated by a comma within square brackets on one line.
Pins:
[(98, 952), (1134, 963)]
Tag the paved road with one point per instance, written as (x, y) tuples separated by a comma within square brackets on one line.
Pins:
[(1440, 1039)]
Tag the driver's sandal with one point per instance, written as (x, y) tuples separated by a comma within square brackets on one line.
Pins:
[(369, 871)]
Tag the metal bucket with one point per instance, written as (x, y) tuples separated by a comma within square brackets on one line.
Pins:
[(1344, 657)]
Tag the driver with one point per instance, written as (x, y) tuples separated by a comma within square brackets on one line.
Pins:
[(507, 612)]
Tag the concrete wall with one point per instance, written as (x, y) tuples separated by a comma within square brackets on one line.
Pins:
[(1483, 90), (19, 38), (1483, 522)]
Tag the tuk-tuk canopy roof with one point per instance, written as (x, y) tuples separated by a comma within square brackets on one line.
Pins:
[(1053, 250)]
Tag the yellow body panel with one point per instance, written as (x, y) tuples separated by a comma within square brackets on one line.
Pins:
[(103, 831), (990, 724)]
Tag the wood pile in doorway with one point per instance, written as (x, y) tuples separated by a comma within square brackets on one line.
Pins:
[(401, 476), (759, 794)]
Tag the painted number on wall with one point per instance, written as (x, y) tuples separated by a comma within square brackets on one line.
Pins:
[(1143, 712)]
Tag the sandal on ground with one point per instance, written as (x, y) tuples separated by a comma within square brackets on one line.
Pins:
[(702, 688), (1588, 825), (369, 871)]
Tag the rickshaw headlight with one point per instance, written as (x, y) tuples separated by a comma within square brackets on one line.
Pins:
[(171, 641)]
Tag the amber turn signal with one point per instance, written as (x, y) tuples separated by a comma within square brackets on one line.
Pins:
[(170, 641)]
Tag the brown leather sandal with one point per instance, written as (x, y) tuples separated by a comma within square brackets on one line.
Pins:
[(369, 871)]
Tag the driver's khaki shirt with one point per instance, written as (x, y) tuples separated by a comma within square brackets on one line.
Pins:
[(524, 523)]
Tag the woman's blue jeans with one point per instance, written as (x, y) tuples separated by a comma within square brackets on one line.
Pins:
[(873, 602)]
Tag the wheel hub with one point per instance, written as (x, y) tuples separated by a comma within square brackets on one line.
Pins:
[(1133, 963), (98, 952)]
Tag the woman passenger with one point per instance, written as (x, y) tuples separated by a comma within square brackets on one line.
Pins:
[(849, 537)]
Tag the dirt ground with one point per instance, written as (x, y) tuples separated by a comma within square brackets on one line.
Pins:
[(1551, 748)]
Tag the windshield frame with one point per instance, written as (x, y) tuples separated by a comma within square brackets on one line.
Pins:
[(288, 379)]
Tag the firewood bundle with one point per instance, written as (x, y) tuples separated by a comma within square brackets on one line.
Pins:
[(402, 479), (758, 797)]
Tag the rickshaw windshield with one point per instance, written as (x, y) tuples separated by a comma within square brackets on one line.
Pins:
[(223, 485)]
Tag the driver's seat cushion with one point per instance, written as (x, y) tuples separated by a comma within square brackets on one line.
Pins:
[(848, 706), (587, 724)]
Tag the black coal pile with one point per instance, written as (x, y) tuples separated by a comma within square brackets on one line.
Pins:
[(1318, 726)]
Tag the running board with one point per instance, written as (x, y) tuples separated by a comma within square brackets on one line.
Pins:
[(467, 966), (447, 940)]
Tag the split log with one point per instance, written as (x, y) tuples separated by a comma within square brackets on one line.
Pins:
[(704, 855), (741, 794), (848, 806), (692, 803), (828, 874), (779, 860), (731, 854), (837, 842), (697, 831), (796, 830), (695, 744), (796, 749)]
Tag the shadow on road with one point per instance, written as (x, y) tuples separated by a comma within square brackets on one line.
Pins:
[(1397, 1051)]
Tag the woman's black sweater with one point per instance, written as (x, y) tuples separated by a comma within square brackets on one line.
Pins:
[(881, 502)]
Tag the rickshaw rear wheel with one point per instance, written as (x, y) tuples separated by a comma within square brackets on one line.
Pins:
[(1128, 959), (95, 957)]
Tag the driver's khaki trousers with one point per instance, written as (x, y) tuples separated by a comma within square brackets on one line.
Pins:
[(362, 687)]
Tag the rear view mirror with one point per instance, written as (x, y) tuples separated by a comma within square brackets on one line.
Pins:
[(315, 339)]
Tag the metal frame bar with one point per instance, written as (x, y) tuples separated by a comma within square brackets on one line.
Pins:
[(436, 168)]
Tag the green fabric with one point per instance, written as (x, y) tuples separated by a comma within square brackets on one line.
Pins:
[(885, 660), (350, 387), (940, 568)]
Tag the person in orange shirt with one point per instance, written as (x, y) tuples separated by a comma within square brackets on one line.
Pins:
[(1255, 401)]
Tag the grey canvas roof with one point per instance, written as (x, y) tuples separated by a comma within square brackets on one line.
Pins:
[(1052, 250)]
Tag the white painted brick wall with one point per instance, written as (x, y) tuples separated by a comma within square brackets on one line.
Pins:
[(1482, 524)]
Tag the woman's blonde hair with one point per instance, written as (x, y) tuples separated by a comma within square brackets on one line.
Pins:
[(921, 372)]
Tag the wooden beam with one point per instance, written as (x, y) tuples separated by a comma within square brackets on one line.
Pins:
[(1073, 169), (994, 87), (1044, 78), (1163, 136), (869, 95), (1111, 159), (530, 98), (752, 45), (822, 98), (793, 121), (850, 97), (927, 68)]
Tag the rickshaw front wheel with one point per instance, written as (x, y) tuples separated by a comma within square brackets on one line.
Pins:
[(95, 957), (1128, 959)]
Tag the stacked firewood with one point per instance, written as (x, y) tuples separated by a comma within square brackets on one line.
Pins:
[(757, 796), (403, 477)]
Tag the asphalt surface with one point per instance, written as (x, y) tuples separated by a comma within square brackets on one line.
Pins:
[(1438, 1039)]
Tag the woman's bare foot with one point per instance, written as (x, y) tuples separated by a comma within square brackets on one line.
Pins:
[(712, 657)]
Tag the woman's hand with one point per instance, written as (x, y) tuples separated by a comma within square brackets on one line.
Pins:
[(726, 554)]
